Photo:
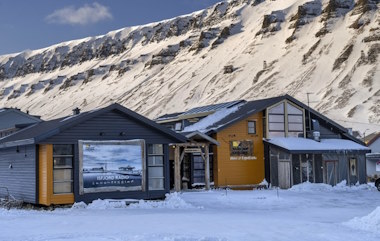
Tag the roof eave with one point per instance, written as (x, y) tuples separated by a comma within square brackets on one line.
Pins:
[(17, 143)]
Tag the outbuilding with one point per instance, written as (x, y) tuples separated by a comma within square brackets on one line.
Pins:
[(108, 153)]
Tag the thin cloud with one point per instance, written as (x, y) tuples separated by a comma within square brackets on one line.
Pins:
[(87, 14)]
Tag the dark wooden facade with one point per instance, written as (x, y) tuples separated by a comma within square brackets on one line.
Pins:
[(25, 180)]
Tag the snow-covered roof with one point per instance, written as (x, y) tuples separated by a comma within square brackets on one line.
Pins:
[(294, 144), (208, 121)]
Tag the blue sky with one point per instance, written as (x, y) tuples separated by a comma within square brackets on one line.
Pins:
[(26, 24)]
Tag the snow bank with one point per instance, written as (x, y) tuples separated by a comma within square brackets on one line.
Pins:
[(371, 222), (322, 187), (172, 201)]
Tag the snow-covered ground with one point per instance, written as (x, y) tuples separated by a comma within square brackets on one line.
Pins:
[(305, 212)]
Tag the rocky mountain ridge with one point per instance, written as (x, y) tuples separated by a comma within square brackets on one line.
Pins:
[(327, 47)]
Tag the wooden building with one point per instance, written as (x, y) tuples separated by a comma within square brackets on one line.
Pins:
[(106, 153), (278, 139)]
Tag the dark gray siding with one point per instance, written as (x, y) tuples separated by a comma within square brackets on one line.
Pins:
[(343, 159), (10, 119), (327, 133), (21, 178), (111, 124)]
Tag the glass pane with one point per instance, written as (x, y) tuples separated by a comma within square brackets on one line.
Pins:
[(353, 170), (276, 134), (155, 160), (63, 175), (251, 130), (295, 118), (178, 126), (63, 162), (293, 110), (295, 134), (63, 150), (156, 184), (156, 172), (251, 124), (63, 187), (307, 171), (156, 149), (276, 126), (279, 109), (199, 165), (276, 118), (295, 127)]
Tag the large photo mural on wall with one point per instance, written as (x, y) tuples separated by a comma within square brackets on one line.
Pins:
[(108, 166)]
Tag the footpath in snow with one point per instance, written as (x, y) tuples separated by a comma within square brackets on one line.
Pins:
[(304, 212)]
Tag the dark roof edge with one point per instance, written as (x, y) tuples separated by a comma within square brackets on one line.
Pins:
[(17, 143), (23, 114), (370, 142), (115, 106)]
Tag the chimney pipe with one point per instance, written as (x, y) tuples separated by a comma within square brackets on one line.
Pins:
[(76, 111)]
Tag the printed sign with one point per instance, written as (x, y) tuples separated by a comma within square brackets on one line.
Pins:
[(111, 165), (378, 166), (241, 150)]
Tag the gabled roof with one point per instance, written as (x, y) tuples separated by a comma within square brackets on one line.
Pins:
[(200, 137), (245, 110), (372, 138), (46, 129), (252, 107), (197, 111), (210, 108), (4, 111)]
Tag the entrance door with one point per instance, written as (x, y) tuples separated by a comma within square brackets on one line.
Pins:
[(331, 172), (284, 174)]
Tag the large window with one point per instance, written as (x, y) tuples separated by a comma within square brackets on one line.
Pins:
[(63, 168), (276, 121), (295, 121), (156, 166), (285, 120)]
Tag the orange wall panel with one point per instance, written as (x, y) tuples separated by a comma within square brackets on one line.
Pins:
[(239, 172), (46, 195)]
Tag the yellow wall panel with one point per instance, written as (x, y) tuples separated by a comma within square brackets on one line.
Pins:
[(239, 172)]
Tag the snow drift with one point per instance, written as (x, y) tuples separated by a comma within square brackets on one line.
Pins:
[(371, 222)]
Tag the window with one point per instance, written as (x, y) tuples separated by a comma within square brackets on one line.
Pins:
[(276, 121), (63, 168), (156, 166), (285, 115), (178, 126), (353, 169), (295, 121), (251, 127)]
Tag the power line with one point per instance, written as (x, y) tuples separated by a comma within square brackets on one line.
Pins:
[(357, 122)]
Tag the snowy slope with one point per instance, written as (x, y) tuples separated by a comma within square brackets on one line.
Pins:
[(328, 47)]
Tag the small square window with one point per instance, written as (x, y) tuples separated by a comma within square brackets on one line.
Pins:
[(251, 127), (178, 126)]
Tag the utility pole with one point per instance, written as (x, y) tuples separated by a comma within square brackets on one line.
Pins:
[(308, 106)]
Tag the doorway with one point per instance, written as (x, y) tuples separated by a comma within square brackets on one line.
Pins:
[(331, 172), (284, 174)]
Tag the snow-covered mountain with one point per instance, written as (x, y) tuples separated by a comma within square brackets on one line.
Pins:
[(240, 49)]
